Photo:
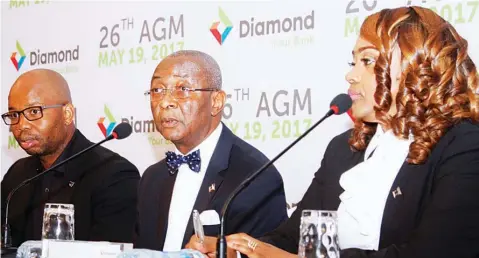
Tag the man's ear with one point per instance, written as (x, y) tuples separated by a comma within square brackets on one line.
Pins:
[(68, 113), (218, 102)]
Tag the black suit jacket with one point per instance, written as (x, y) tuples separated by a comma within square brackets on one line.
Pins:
[(103, 194), (437, 214), (259, 208)]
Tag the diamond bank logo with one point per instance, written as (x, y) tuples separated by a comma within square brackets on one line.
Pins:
[(101, 122), (224, 20), (18, 62)]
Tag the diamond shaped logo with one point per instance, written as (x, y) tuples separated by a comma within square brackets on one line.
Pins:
[(221, 37), (18, 62), (101, 122)]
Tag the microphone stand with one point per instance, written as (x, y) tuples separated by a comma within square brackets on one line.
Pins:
[(221, 244)]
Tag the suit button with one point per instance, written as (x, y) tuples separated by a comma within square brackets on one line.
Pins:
[(47, 190)]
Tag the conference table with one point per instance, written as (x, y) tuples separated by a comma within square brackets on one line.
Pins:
[(77, 249)]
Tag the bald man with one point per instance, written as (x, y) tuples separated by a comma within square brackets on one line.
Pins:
[(100, 184), (208, 162)]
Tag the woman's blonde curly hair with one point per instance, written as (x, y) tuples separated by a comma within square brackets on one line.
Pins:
[(439, 82)]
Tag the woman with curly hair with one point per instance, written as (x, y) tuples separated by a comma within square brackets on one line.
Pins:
[(405, 179)]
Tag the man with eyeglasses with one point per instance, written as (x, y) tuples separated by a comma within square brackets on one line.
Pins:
[(207, 164), (100, 184)]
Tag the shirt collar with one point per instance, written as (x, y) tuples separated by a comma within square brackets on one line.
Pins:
[(373, 143), (208, 145)]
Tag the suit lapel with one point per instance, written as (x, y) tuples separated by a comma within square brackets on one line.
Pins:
[(412, 191), (213, 177), (165, 193), (402, 201)]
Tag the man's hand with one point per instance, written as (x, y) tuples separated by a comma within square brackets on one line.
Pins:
[(208, 247)]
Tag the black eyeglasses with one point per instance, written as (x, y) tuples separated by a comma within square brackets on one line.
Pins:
[(30, 113), (177, 92)]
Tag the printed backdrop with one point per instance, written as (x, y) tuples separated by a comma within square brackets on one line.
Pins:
[(282, 62)]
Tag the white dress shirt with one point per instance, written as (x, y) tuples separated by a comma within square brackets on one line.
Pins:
[(185, 191), (366, 189)]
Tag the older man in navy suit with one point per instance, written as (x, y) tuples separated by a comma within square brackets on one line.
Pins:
[(208, 163)]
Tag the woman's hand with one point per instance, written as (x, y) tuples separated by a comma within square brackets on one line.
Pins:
[(254, 248)]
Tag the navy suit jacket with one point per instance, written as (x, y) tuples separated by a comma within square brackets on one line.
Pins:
[(259, 208), (437, 214)]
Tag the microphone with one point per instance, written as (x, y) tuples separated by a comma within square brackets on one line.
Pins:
[(121, 131), (339, 105)]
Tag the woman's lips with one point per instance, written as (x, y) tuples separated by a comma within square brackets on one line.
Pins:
[(354, 94)]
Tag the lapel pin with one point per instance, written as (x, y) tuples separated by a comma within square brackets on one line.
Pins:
[(71, 183), (211, 188), (397, 192)]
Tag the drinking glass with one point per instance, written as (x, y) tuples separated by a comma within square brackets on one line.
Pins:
[(58, 221), (318, 234)]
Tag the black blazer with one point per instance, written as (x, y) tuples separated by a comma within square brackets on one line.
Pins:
[(437, 214), (103, 194), (259, 208)]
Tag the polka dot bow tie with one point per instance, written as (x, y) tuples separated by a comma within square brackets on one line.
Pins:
[(174, 161)]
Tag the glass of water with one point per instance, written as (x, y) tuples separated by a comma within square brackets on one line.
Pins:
[(58, 221), (318, 234)]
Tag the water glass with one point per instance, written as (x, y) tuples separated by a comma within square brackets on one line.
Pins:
[(58, 221), (318, 234)]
